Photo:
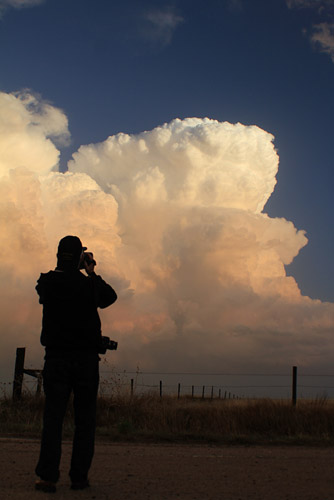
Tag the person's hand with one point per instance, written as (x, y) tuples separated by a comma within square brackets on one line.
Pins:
[(89, 263)]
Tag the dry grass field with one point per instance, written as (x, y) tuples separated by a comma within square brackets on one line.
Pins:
[(169, 419)]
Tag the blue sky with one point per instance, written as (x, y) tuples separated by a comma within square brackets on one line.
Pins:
[(130, 66)]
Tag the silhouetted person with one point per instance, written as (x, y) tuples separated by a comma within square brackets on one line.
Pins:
[(71, 334)]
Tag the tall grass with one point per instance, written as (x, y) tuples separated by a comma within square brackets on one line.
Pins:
[(149, 417)]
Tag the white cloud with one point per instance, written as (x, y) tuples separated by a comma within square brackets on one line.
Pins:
[(193, 162), (207, 266), (309, 3), (323, 38), (175, 219), (27, 125), (159, 25), (18, 4), (235, 5)]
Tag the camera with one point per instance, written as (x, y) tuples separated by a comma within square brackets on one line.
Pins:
[(106, 343), (88, 258)]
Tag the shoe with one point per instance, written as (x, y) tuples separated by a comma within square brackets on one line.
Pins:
[(46, 486), (80, 485)]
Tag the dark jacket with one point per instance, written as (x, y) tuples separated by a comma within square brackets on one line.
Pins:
[(70, 317)]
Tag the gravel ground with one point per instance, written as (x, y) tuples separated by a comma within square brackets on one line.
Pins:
[(169, 472)]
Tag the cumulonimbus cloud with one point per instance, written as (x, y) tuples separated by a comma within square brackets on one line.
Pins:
[(27, 126), (175, 217)]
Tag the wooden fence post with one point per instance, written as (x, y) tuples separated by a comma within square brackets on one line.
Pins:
[(203, 391), (192, 392), (39, 384), (294, 385), (178, 390), (161, 388), (132, 387), (18, 372)]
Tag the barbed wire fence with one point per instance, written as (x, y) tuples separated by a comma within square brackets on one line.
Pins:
[(205, 385), (134, 383), (232, 385)]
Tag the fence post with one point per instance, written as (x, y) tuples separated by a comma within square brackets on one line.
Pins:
[(192, 392), (39, 384), (203, 391), (294, 385), (161, 388), (211, 392), (18, 372), (131, 387), (178, 390)]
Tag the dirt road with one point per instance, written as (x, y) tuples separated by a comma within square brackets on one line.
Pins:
[(177, 472)]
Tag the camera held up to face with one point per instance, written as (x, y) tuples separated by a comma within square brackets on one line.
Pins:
[(87, 259)]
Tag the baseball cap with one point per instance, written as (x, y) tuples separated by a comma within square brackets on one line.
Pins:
[(70, 248)]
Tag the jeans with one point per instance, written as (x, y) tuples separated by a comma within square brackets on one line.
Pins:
[(61, 376)]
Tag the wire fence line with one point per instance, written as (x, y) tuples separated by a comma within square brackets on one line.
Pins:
[(244, 384), (223, 374), (202, 384)]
